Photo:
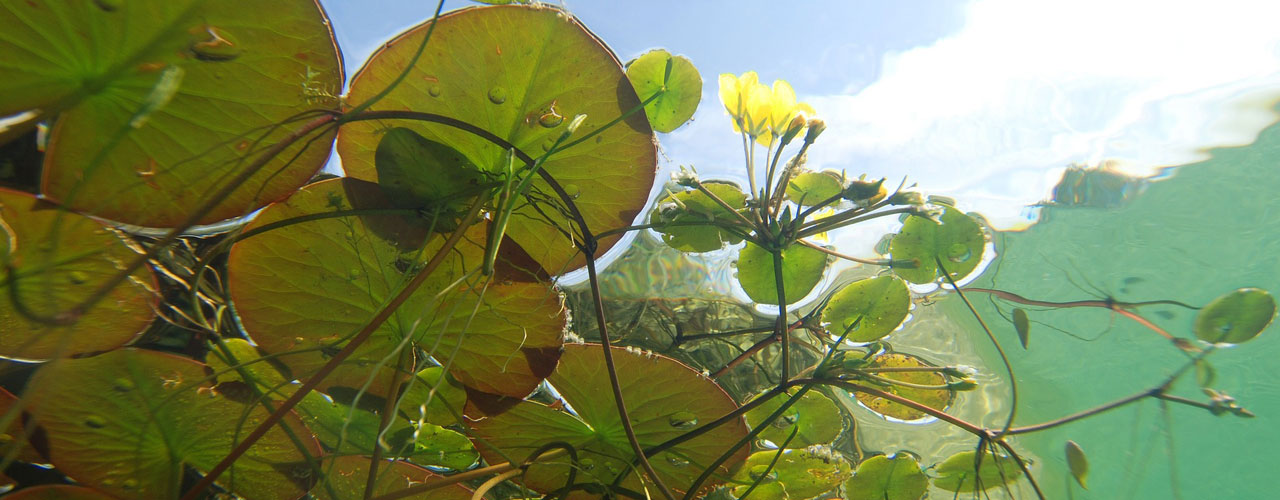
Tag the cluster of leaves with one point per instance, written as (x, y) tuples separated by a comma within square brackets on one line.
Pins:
[(395, 332)]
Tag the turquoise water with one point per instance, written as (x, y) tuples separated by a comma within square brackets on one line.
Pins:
[(1212, 227)]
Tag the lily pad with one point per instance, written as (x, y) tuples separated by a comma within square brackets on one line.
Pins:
[(811, 188), (347, 476), (885, 478), (938, 399), (12, 434), (798, 474), (1077, 463), (354, 431), (1236, 317), (1022, 325), (58, 492), (185, 98), (419, 173), (958, 242), (311, 285), (957, 473), (168, 414), (802, 269), (511, 70), (681, 86), (873, 307), (695, 206), (665, 399), (53, 260), (816, 417)]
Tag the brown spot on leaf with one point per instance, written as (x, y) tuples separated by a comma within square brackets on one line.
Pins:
[(542, 360), (515, 264), (482, 404)]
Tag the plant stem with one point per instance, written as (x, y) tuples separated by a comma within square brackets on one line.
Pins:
[(1013, 382), (381, 317)]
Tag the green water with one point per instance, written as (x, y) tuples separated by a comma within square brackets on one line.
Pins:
[(1213, 227)]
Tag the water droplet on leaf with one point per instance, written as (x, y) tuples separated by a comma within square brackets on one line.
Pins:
[(683, 420), (215, 45), (676, 461), (109, 5), (497, 95), (129, 484), (77, 277), (434, 90), (95, 421), (550, 119), (122, 384)]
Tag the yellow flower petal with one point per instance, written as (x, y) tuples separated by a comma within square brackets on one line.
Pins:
[(756, 106), (784, 104), (729, 94)]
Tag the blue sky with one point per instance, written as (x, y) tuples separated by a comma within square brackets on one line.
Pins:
[(982, 100)]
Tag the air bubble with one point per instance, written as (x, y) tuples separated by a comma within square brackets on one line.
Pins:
[(497, 95)]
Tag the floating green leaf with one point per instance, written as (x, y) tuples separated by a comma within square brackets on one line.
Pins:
[(811, 188), (1078, 463), (12, 435), (1205, 373), (1022, 325), (873, 307), (958, 472), (52, 260), (802, 269), (169, 414), (798, 474), (416, 172), (815, 416), (347, 476), (694, 206), (58, 492), (311, 284), (938, 399), (666, 399), (511, 70), (677, 79), (885, 478), (1236, 317), (957, 241), (187, 93)]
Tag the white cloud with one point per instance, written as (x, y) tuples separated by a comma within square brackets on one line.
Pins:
[(991, 114)]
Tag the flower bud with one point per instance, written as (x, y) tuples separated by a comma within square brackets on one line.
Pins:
[(793, 129), (907, 198), (816, 127)]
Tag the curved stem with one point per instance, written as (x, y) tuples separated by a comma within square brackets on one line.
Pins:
[(1008, 367), (833, 253), (381, 317)]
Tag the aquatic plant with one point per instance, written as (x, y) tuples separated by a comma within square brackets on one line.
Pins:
[(397, 332)]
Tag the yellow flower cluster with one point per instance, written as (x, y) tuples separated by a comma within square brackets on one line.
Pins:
[(765, 114)]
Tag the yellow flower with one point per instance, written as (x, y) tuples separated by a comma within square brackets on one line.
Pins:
[(783, 109), (748, 101)]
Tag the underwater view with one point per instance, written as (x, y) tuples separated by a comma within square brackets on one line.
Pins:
[(322, 249)]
